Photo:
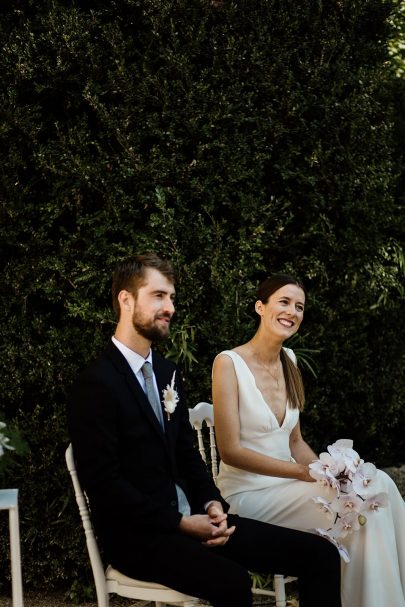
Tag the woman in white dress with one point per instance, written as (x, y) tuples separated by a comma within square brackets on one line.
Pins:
[(264, 469)]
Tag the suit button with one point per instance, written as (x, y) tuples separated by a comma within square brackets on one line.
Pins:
[(173, 503)]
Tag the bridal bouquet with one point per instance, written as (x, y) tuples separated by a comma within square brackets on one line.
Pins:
[(352, 479)]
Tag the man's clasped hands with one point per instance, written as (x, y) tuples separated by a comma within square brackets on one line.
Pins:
[(211, 528)]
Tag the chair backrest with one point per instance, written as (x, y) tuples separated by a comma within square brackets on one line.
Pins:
[(92, 547), (204, 412)]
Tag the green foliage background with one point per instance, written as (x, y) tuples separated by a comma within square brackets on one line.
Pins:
[(237, 139)]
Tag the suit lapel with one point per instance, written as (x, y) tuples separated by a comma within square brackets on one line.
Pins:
[(123, 367)]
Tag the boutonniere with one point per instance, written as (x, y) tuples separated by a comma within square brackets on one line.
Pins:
[(170, 397)]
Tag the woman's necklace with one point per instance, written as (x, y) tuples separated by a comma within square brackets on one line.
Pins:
[(275, 374)]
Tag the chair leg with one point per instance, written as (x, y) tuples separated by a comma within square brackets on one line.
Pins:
[(279, 589), (103, 597), (16, 579)]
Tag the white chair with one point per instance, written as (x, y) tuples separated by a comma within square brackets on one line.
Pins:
[(9, 501), (112, 581), (204, 412)]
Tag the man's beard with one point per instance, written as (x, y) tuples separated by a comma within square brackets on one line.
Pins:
[(149, 330)]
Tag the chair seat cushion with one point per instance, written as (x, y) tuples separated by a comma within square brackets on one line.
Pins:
[(114, 574)]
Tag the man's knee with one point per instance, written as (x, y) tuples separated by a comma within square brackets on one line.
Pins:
[(327, 557)]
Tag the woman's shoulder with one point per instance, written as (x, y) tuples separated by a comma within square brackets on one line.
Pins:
[(224, 365), (236, 354), (225, 357), (230, 360)]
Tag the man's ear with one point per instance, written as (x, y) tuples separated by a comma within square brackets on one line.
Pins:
[(125, 299)]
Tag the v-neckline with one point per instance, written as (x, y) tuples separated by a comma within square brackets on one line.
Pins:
[(268, 407)]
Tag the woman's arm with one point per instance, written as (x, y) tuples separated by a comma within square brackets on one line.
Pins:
[(227, 429), (300, 450)]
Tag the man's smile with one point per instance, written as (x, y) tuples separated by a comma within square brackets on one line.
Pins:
[(166, 319)]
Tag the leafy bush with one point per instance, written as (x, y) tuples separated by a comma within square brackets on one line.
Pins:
[(236, 139)]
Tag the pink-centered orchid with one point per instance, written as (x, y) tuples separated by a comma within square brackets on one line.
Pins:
[(376, 502), (326, 469), (352, 461), (345, 525), (324, 506), (363, 479), (346, 503), (343, 471)]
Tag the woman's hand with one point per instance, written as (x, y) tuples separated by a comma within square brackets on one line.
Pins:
[(303, 474)]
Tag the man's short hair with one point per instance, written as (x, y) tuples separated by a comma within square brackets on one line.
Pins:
[(130, 273)]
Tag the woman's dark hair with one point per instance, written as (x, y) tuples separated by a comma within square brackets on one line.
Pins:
[(292, 375), (130, 274), (293, 382), (273, 283)]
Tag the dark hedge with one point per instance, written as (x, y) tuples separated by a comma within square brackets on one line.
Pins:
[(235, 138)]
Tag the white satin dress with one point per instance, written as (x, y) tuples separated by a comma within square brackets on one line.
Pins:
[(375, 576)]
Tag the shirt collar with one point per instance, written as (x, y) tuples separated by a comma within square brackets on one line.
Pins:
[(135, 360)]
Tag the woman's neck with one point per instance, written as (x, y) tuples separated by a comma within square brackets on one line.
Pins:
[(266, 349)]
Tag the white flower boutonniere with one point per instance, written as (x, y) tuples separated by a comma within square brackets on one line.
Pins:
[(170, 397)]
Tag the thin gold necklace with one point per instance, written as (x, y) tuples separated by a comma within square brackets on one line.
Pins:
[(275, 377)]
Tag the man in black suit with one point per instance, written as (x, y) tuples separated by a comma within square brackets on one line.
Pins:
[(155, 508)]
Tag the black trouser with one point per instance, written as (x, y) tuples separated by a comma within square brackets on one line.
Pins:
[(220, 574)]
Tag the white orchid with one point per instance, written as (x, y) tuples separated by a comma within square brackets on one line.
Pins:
[(344, 504), (343, 471), (344, 456), (318, 473), (170, 397), (326, 466), (324, 506), (363, 479), (334, 482), (345, 525), (338, 448), (320, 478), (375, 502), (352, 460)]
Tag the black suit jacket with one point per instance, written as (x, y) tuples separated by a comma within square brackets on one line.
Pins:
[(126, 464)]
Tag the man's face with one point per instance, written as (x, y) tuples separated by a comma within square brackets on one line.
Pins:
[(154, 306)]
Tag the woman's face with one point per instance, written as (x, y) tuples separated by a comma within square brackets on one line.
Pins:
[(283, 312)]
